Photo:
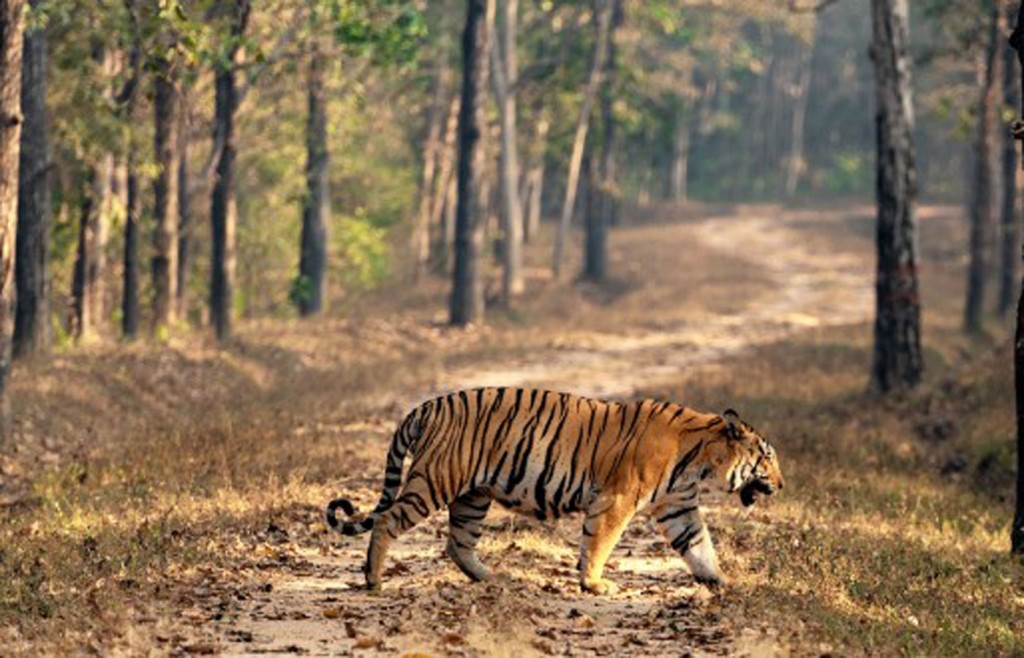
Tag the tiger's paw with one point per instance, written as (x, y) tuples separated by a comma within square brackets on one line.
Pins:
[(713, 581), (601, 587)]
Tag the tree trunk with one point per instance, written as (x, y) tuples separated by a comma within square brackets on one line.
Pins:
[(443, 194), (680, 157), (184, 213), (601, 212), (1011, 245), (32, 335), (896, 362), (579, 142), (533, 181), (981, 215), (467, 298), (223, 215), (165, 198), (1017, 527), (317, 207), (11, 26), (433, 155), (130, 259), (795, 164), (505, 78)]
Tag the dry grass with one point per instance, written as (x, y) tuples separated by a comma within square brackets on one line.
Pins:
[(167, 487)]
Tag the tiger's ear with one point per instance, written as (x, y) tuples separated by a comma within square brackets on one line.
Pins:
[(732, 422)]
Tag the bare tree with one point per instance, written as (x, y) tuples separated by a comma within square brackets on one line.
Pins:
[(579, 142), (164, 262), (1010, 233), (184, 209), (11, 27), (505, 67), (1017, 528), (433, 158), (133, 202), (223, 213), (602, 207), (800, 92), (981, 214), (316, 209), (896, 363), (533, 181), (467, 299), (32, 333)]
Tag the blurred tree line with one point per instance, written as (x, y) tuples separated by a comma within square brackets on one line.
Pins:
[(177, 162)]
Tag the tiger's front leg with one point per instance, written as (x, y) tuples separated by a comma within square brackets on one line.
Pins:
[(681, 522)]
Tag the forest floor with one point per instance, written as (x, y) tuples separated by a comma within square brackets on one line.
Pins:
[(168, 499)]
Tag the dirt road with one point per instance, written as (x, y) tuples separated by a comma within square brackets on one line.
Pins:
[(301, 592)]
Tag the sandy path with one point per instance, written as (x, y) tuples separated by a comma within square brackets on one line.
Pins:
[(302, 592)]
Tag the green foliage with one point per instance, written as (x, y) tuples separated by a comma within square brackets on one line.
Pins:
[(362, 251)]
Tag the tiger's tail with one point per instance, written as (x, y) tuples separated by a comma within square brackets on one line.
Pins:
[(404, 438)]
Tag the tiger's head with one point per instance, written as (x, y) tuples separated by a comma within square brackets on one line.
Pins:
[(749, 464)]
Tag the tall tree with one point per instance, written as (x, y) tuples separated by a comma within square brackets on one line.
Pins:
[(223, 213), (133, 203), (184, 209), (800, 93), (32, 262), (432, 156), (505, 67), (164, 263), (981, 215), (88, 284), (11, 27), (316, 208), (1017, 528), (533, 181), (602, 208), (579, 141), (445, 192), (1011, 243), (467, 298), (896, 363)]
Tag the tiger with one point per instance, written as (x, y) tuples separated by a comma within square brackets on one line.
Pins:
[(545, 453)]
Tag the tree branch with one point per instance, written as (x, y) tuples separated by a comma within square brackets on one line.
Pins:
[(810, 9)]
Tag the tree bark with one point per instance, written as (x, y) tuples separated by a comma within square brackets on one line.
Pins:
[(130, 258), (896, 362), (164, 263), (1011, 244), (433, 156), (680, 157), (11, 26), (580, 137), (317, 207), (981, 215), (223, 214), (534, 181), (604, 196), (442, 196), (467, 298), (32, 334), (795, 164), (1017, 527), (184, 212), (505, 78)]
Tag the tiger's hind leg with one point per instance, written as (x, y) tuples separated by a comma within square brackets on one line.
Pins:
[(607, 516), (465, 516), (413, 505)]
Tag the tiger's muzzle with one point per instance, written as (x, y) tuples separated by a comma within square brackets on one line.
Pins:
[(755, 489)]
